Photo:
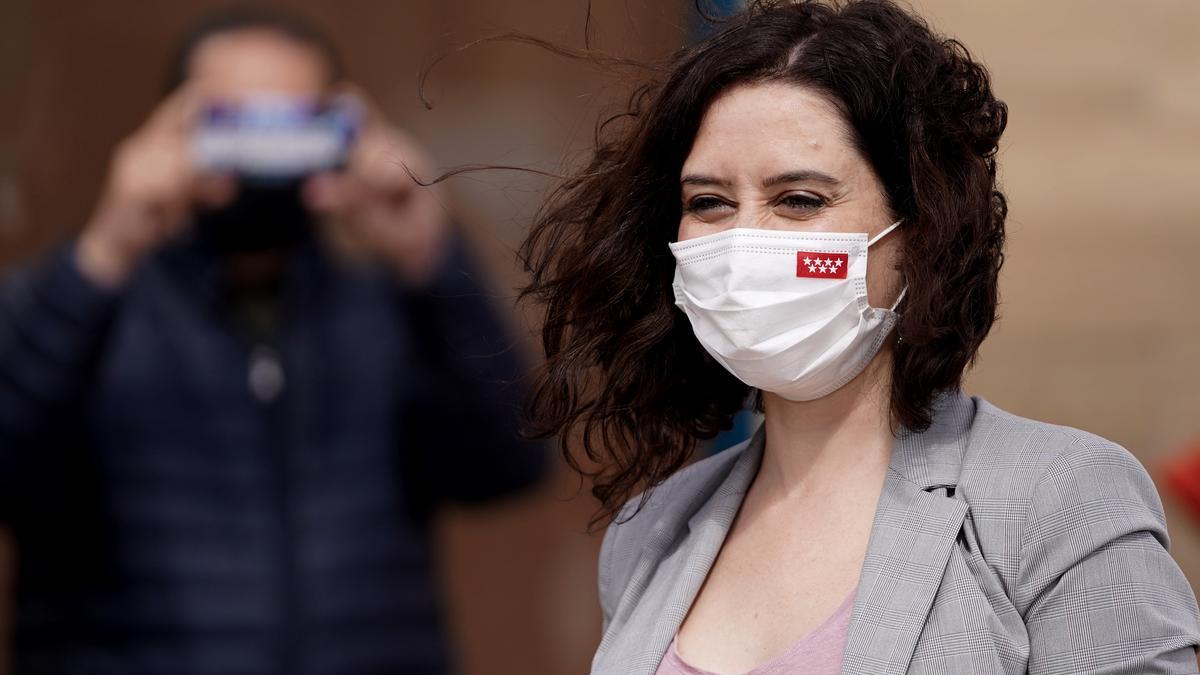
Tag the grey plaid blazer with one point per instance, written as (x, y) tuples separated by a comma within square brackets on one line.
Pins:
[(999, 545)]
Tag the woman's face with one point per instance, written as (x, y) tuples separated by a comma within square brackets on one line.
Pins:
[(777, 156)]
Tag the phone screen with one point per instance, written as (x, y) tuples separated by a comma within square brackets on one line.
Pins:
[(275, 139)]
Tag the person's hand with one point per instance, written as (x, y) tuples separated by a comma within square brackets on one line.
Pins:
[(151, 186), (375, 203)]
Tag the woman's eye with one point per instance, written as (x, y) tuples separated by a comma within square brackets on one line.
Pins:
[(802, 202), (704, 204)]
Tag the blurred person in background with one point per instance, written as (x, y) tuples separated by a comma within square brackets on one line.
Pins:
[(228, 410)]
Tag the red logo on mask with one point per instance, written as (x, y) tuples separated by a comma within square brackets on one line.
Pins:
[(812, 265)]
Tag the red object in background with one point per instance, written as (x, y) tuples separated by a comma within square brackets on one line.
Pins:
[(821, 265), (1182, 477)]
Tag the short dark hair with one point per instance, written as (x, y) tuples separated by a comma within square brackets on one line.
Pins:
[(624, 376), (250, 17)]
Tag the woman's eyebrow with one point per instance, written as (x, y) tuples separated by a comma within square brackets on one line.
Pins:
[(699, 179), (806, 175)]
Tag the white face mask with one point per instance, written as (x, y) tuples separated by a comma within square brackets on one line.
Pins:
[(783, 311)]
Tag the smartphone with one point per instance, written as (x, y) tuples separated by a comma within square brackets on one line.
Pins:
[(274, 139)]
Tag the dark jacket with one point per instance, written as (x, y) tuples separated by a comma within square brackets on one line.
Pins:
[(172, 517)]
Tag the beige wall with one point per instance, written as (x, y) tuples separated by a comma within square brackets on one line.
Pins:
[(1099, 163)]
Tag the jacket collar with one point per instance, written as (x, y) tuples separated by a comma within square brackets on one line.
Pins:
[(912, 534)]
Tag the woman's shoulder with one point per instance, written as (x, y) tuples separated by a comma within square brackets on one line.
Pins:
[(1072, 521), (1043, 497), (1012, 452), (677, 498), (662, 511), (1049, 436), (1052, 468)]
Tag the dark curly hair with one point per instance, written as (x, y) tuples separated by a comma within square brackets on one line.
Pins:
[(625, 380)]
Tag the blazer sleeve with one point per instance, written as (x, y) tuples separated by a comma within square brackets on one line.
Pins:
[(1097, 588)]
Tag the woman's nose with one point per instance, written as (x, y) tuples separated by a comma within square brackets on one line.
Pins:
[(751, 215)]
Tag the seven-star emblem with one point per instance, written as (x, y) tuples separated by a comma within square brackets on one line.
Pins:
[(821, 265)]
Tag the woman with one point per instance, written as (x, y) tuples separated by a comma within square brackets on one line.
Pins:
[(806, 209)]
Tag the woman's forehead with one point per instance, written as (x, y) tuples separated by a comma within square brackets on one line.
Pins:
[(771, 128)]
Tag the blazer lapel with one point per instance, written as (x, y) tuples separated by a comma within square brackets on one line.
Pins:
[(909, 547), (913, 533)]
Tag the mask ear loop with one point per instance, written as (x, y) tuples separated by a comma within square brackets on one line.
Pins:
[(883, 233), (887, 230)]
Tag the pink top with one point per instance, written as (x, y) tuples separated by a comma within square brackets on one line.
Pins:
[(818, 653)]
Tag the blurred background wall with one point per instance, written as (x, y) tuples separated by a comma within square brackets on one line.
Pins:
[(1100, 165)]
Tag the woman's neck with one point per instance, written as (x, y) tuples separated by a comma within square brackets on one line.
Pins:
[(812, 447)]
